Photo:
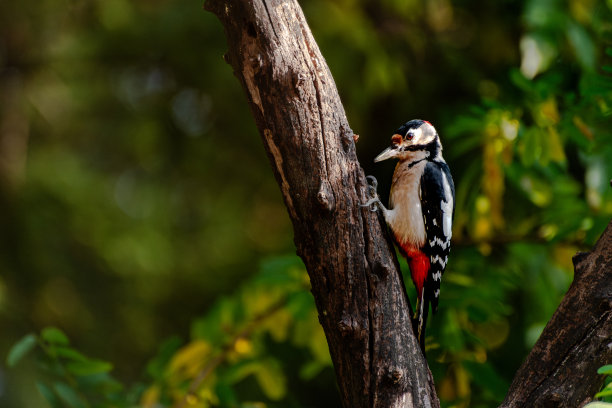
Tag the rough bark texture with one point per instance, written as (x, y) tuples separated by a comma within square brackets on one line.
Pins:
[(561, 370), (355, 278)]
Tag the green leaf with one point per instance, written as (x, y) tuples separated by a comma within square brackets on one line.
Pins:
[(101, 382), (69, 396), (300, 304), (272, 380), (238, 371), (89, 367), (227, 395), (598, 404), (20, 349), (70, 353), (604, 393), (156, 367), (49, 395), (583, 45), (607, 369), (311, 370), (276, 270), (53, 335), (530, 146)]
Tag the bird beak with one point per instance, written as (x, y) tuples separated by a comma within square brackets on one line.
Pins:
[(392, 151), (386, 154)]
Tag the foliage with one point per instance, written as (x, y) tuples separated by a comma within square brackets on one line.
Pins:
[(233, 343), (606, 392), (135, 193), (605, 395), (70, 378)]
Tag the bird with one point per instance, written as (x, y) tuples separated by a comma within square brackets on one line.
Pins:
[(421, 211)]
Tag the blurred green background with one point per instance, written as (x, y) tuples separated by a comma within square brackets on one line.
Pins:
[(139, 215)]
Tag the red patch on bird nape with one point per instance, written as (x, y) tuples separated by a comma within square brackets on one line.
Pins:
[(419, 266), (428, 122)]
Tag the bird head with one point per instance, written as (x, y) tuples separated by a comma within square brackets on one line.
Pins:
[(412, 137)]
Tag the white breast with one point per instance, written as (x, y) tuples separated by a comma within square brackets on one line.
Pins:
[(405, 216)]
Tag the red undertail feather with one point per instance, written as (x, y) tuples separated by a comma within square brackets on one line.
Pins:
[(419, 267)]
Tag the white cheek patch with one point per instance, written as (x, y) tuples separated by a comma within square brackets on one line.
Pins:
[(428, 132), (417, 135)]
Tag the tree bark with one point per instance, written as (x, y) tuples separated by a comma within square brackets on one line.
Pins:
[(355, 278), (561, 370)]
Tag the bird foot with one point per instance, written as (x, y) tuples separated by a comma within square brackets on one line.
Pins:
[(374, 202)]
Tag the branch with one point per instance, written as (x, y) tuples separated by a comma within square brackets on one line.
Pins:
[(561, 370), (355, 278)]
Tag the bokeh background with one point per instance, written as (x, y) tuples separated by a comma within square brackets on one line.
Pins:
[(140, 219)]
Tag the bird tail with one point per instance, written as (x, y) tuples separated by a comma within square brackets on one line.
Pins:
[(420, 319)]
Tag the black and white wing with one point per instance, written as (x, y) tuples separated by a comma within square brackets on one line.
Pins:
[(438, 206)]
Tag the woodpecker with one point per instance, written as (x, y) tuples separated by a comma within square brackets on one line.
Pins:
[(421, 211)]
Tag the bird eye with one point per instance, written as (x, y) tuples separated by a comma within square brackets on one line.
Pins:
[(409, 136)]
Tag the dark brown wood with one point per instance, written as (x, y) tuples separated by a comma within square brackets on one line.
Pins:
[(561, 370), (355, 278), (354, 275)]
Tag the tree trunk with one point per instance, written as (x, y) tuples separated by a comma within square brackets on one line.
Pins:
[(355, 278), (561, 370)]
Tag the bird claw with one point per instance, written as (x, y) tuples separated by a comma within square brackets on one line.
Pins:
[(374, 202), (373, 181), (372, 187)]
